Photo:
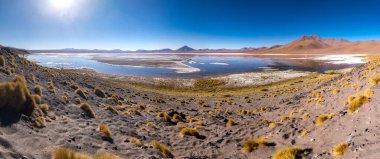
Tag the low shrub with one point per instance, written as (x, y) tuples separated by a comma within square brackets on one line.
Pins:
[(165, 152), (339, 150), (252, 145), (81, 93), (99, 92), (87, 109), (322, 118), (104, 130), (38, 90), (286, 153)]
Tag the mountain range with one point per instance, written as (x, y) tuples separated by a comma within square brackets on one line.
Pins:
[(304, 44)]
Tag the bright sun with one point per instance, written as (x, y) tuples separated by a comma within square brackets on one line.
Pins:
[(62, 5)]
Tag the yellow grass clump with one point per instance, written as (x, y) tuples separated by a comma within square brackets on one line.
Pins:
[(177, 117), (36, 98), (273, 124), (104, 130), (16, 96), (66, 153), (351, 98), (32, 77), (189, 132), (111, 109), (368, 92), (164, 116), (87, 109), (44, 108), (357, 103), (305, 116), (322, 118), (40, 122), (374, 80), (339, 150), (99, 92), (136, 141), (284, 118), (286, 153), (303, 133), (165, 152), (336, 91), (38, 90), (230, 123), (80, 93), (252, 145)]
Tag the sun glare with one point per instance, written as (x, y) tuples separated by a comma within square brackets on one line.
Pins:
[(62, 4)]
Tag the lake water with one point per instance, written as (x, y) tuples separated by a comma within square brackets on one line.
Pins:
[(207, 64)]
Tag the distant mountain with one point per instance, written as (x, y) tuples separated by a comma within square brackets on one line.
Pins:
[(316, 44), (185, 49), (304, 44)]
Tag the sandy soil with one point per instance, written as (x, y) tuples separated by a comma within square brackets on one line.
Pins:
[(252, 114)]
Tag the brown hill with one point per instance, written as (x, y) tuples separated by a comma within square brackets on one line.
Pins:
[(316, 44)]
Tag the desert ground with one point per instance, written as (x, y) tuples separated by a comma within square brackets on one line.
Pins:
[(64, 114)]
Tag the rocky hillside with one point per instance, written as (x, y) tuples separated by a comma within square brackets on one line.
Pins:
[(50, 113)]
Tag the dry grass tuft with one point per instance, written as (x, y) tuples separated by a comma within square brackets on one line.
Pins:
[(104, 130), (252, 145), (105, 155), (16, 96), (190, 132), (40, 122), (357, 103), (230, 123), (112, 109), (322, 118), (368, 92), (374, 80), (165, 152), (99, 92), (38, 90), (81, 93), (36, 98), (286, 153), (65, 153), (87, 109), (44, 108), (336, 91), (339, 150), (164, 116), (136, 141)]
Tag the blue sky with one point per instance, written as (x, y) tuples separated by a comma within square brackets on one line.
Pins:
[(155, 24)]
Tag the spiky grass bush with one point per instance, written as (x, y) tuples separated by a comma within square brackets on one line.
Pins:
[(66, 153), (32, 77), (164, 116), (104, 130), (136, 141), (284, 118), (368, 92), (99, 92), (374, 80), (322, 118), (230, 123), (336, 91), (150, 124), (81, 93), (105, 155), (38, 90), (16, 96), (339, 150), (44, 108), (165, 152), (273, 124), (37, 98), (2, 61), (303, 133), (305, 116), (87, 109), (177, 117), (189, 132), (357, 103), (112, 109), (77, 100), (350, 98), (252, 145), (40, 122), (286, 153)]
